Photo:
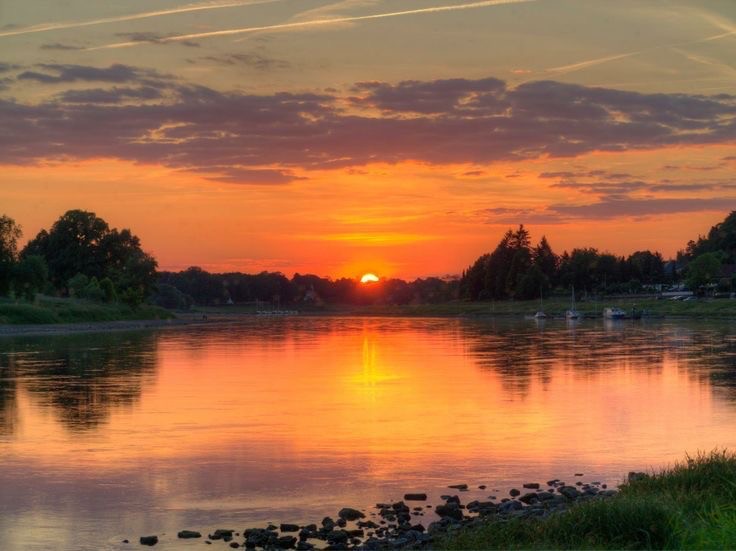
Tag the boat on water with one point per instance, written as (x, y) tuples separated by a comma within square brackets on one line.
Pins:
[(572, 313), (540, 315), (614, 313)]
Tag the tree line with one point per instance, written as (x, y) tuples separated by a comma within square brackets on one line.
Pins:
[(79, 256), (82, 256)]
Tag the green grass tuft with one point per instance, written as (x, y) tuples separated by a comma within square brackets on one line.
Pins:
[(48, 310), (691, 505)]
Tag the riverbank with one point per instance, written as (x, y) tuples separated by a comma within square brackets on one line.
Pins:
[(554, 307), (51, 310), (688, 506)]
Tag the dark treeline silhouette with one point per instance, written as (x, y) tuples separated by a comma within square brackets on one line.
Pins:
[(196, 286), (518, 270), (81, 256)]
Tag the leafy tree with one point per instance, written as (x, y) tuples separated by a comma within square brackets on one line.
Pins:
[(30, 276), (646, 266), (701, 271), (720, 238), (10, 232), (82, 243)]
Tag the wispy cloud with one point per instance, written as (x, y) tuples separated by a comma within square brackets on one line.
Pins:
[(321, 22), (45, 27)]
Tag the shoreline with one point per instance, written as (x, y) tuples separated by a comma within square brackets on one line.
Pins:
[(219, 317)]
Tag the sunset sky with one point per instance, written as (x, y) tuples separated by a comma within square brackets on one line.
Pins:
[(400, 137)]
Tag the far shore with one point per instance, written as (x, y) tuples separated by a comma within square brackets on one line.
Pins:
[(717, 309)]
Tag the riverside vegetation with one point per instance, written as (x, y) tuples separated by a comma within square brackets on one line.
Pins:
[(110, 276)]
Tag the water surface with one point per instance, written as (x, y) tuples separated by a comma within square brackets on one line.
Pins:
[(106, 437)]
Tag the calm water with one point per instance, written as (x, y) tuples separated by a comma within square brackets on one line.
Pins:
[(106, 437)]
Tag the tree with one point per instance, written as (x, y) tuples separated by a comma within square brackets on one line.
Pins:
[(10, 232), (545, 259), (30, 276), (82, 243), (701, 271)]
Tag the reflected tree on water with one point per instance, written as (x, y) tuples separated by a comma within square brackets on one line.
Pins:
[(81, 378)]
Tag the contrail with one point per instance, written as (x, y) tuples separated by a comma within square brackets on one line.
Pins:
[(589, 63), (44, 27), (317, 22)]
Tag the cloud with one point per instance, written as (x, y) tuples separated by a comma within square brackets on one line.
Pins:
[(631, 207), (252, 60), (112, 95), (60, 46), (55, 74), (458, 121), (237, 175), (155, 38), (603, 188), (603, 174), (6, 67)]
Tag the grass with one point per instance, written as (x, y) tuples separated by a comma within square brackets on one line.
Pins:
[(48, 310), (689, 506)]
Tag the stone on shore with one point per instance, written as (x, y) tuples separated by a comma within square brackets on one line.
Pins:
[(570, 492), (415, 497), (188, 534), (289, 527), (149, 540), (450, 510), (461, 487), (346, 513), (513, 492), (531, 486)]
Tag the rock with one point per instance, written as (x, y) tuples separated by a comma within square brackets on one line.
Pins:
[(367, 524), (272, 527), (415, 497), (342, 523), (222, 534), (289, 527), (452, 499), (304, 546), (461, 487), (338, 536), (510, 506), (545, 496), (149, 540), (570, 492), (513, 492), (234, 544), (346, 513), (328, 523), (552, 482), (450, 510), (188, 534), (482, 487), (357, 533), (578, 474), (529, 497), (531, 486), (286, 542)]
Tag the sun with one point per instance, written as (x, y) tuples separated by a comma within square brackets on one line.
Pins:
[(369, 278)]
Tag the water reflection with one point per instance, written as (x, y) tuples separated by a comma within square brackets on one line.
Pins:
[(290, 419), (81, 378)]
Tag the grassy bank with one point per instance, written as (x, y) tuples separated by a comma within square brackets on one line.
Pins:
[(48, 310), (690, 506), (556, 306)]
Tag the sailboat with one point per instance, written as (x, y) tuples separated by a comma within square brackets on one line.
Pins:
[(572, 313), (540, 315)]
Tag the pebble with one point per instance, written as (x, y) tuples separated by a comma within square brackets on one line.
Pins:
[(149, 540)]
